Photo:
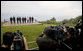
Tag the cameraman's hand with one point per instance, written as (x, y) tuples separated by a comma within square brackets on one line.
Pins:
[(25, 43), (41, 35)]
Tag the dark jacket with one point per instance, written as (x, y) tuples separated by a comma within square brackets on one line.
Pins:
[(46, 43)]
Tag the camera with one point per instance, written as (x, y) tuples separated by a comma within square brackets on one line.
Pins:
[(60, 32), (57, 33), (18, 41)]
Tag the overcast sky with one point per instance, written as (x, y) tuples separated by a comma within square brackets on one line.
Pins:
[(41, 10)]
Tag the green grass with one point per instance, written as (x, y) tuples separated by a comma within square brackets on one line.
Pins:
[(30, 32)]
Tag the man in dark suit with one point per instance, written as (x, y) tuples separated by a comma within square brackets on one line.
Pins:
[(14, 20), (20, 19), (32, 19), (17, 20), (25, 19), (11, 19)]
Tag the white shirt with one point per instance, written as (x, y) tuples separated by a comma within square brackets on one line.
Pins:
[(27, 18)]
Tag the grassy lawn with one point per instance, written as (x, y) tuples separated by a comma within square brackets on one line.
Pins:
[(30, 32)]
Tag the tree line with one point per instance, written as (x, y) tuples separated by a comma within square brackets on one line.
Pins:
[(72, 21)]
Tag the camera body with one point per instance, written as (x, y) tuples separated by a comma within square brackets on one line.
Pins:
[(18, 41), (58, 32)]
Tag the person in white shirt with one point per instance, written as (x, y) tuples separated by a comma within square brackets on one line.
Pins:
[(27, 19)]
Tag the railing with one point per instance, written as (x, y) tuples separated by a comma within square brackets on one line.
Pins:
[(31, 45)]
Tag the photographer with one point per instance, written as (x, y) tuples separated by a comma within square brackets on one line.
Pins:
[(8, 40), (78, 28), (48, 41), (70, 37), (79, 35), (65, 27)]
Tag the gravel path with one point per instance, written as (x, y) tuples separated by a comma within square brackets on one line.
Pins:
[(9, 24)]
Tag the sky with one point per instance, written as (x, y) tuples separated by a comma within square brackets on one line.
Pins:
[(41, 10)]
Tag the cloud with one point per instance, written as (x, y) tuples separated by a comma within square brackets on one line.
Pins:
[(41, 10)]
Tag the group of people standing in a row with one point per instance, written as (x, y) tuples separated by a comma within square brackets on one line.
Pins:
[(23, 20)]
